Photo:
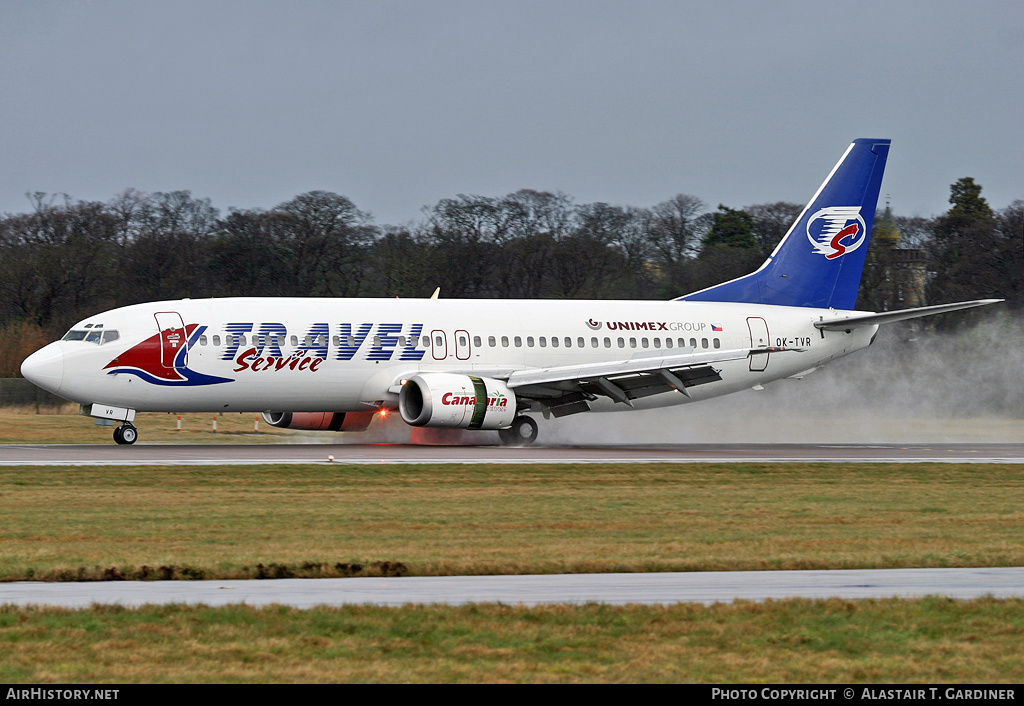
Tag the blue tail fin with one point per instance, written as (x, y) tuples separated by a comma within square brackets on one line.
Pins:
[(820, 260)]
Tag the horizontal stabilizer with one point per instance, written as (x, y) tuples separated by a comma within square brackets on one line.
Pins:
[(888, 317)]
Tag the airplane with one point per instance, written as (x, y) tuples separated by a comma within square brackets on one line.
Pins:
[(335, 364)]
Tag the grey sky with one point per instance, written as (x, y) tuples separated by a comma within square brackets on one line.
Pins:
[(398, 104)]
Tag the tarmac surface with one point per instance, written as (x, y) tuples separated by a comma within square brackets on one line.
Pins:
[(235, 454), (653, 588)]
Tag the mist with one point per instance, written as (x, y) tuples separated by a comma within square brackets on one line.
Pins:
[(910, 386)]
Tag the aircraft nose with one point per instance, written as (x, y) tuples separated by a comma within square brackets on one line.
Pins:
[(45, 367)]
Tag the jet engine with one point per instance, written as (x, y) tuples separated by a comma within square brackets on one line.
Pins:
[(457, 401), (319, 421)]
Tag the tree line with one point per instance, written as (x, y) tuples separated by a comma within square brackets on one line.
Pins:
[(63, 259)]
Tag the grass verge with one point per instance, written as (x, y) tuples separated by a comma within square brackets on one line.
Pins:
[(793, 641), (95, 523), (26, 427)]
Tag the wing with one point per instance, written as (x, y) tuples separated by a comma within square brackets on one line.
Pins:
[(568, 389)]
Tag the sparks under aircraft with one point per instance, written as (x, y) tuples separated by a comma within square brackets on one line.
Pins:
[(332, 364)]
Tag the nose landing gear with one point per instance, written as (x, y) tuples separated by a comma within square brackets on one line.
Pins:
[(126, 433)]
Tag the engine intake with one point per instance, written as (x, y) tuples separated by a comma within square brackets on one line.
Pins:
[(319, 421), (456, 401)]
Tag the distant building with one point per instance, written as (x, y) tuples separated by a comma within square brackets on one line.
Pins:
[(894, 277)]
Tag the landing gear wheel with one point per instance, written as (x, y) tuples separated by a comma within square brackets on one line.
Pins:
[(126, 434), (522, 433)]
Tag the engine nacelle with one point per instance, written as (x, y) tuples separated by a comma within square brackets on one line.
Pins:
[(319, 421), (456, 401)]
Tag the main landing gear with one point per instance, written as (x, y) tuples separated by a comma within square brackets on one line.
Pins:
[(523, 432), (126, 433)]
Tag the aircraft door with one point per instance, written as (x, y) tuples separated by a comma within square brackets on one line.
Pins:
[(439, 344), (462, 347), (758, 339), (173, 339)]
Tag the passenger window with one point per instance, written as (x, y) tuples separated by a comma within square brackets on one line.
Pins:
[(529, 341), (491, 342), (645, 343), (336, 340), (607, 342), (717, 343), (202, 339), (476, 341), (438, 341), (518, 341), (426, 341), (462, 340), (554, 341), (657, 343), (632, 343), (693, 343), (543, 342), (703, 343), (622, 343), (216, 340), (504, 341), (295, 341), (668, 342), (593, 342)]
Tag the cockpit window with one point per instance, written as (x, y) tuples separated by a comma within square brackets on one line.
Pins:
[(96, 335)]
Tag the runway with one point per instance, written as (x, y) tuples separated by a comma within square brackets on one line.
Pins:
[(241, 454), (616, 589)]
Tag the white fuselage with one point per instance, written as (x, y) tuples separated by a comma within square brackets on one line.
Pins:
[(347, 355)]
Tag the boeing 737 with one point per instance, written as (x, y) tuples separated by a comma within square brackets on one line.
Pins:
[(332, 364)]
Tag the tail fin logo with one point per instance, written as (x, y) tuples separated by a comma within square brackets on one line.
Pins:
[(836, 230)]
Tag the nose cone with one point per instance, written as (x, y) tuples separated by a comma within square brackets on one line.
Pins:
[(45, 367)]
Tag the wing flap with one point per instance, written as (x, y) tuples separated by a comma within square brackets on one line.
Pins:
[(623, 380), (593, 371)]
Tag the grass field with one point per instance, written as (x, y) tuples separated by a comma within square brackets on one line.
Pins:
[(72, 428), (795, 641), (83, 523), (321, 520)]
